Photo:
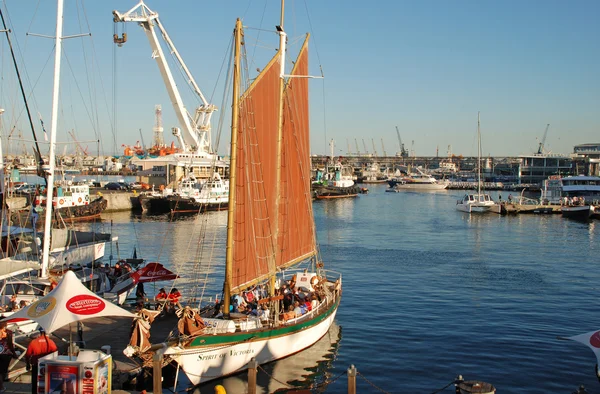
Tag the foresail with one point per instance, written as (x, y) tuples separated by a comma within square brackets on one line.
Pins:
[(253, 243), (296, 225)]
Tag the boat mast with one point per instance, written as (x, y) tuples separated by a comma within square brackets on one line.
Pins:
[(232, 168), (282, 42), (478, 159), (37, 152), (53, 126)]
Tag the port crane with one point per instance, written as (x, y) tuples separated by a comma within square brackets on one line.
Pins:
[(543, 141), (374, 150), (403, 152), (195, 133), (383, 148), (357, 149)]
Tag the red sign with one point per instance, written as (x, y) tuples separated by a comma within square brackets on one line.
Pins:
[(85, 305), (62, 379), (595, 339)]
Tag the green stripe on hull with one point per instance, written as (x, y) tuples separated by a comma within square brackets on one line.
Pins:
[(234, 338)]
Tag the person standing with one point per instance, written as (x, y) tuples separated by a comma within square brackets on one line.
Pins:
[(7, 352), (38, 347)]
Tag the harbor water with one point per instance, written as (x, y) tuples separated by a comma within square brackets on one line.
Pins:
[(428, 293)]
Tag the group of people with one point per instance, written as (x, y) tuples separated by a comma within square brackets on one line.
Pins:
[(13, 305), (296, 303), (168, 301)]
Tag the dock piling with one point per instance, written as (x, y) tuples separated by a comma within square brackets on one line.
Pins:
[(252, 370), (352, 379)]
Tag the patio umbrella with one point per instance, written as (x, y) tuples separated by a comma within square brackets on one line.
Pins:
[(69, 302)]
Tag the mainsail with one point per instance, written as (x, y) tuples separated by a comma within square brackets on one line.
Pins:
[(296, 230), (255, 184)]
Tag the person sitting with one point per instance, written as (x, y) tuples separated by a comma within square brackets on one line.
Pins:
[(263, 314), (161, 298), (290, 314), (297, 310), (314, 303), (173, 297)]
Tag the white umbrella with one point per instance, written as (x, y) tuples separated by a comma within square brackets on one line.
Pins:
[(69, 302)]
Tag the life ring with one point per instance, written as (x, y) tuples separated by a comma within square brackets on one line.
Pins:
[(314, 280), (61, 201), (79, 200)]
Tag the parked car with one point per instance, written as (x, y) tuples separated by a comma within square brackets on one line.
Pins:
[(115, 186), (25, 188)]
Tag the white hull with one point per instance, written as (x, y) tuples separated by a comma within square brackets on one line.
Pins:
[(420, 186), (201, 365), (474, 208)]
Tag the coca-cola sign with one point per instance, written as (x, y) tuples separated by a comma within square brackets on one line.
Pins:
[(85, 305)]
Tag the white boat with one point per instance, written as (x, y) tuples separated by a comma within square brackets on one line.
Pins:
[(270, 228), (417, 181), (477, 202)]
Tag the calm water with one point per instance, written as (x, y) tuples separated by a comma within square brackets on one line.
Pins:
[(429, 293)]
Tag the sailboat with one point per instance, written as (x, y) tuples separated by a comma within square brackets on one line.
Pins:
[(271, 240), (479, 202)]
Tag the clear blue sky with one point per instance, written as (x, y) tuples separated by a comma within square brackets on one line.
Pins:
[(424, 66)]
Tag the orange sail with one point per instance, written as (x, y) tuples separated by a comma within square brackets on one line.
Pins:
[(253, 227), (296, 230)]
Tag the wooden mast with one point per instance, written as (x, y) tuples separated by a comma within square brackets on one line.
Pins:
[(282, 49), (232, 167)]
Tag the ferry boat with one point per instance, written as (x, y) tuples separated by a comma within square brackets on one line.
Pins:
[(558, 190)]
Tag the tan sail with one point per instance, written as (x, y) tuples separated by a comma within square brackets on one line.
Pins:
[(253, 243), (296, 228)]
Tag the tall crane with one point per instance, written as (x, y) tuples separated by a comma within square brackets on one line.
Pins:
[(357, 149), (365, 146), (543, 141), (195, 130), (403, 152), (374, 150), (383, 148)]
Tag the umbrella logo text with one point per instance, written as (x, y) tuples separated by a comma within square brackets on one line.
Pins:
[(85, 305)]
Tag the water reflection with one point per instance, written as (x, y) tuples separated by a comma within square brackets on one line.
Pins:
[(310, 369)]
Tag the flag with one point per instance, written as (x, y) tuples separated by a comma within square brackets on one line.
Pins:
[(43, 128)]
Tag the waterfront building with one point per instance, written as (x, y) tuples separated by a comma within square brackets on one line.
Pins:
[(535, 168), (587, 159), (168, 170)]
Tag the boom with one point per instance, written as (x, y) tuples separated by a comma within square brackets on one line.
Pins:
[(403, 152), (196, 130), (543, 141)]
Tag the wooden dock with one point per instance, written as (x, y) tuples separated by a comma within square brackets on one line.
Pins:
[(512, 208)]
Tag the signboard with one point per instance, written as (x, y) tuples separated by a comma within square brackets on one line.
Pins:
[(62, 379)]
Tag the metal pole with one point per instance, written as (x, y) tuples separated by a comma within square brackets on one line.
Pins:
[(352, 380), (252, 369)]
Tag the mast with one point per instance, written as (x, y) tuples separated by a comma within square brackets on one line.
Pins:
[(37, 152), (478, 159), (232, 168), (53, 126), (282, 42)]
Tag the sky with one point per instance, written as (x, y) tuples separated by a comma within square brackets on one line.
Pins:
[(426, 67)]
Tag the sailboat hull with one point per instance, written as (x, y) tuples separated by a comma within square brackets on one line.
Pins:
[(221, 358)]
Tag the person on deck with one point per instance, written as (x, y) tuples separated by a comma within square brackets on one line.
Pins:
[(173, 297), (38, 347), (7, 352)]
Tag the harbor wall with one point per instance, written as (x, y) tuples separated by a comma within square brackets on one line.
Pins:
[(120, 201), (16, 202)]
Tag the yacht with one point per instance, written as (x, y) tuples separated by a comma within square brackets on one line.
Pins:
[(417, 181), (480, 201)]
